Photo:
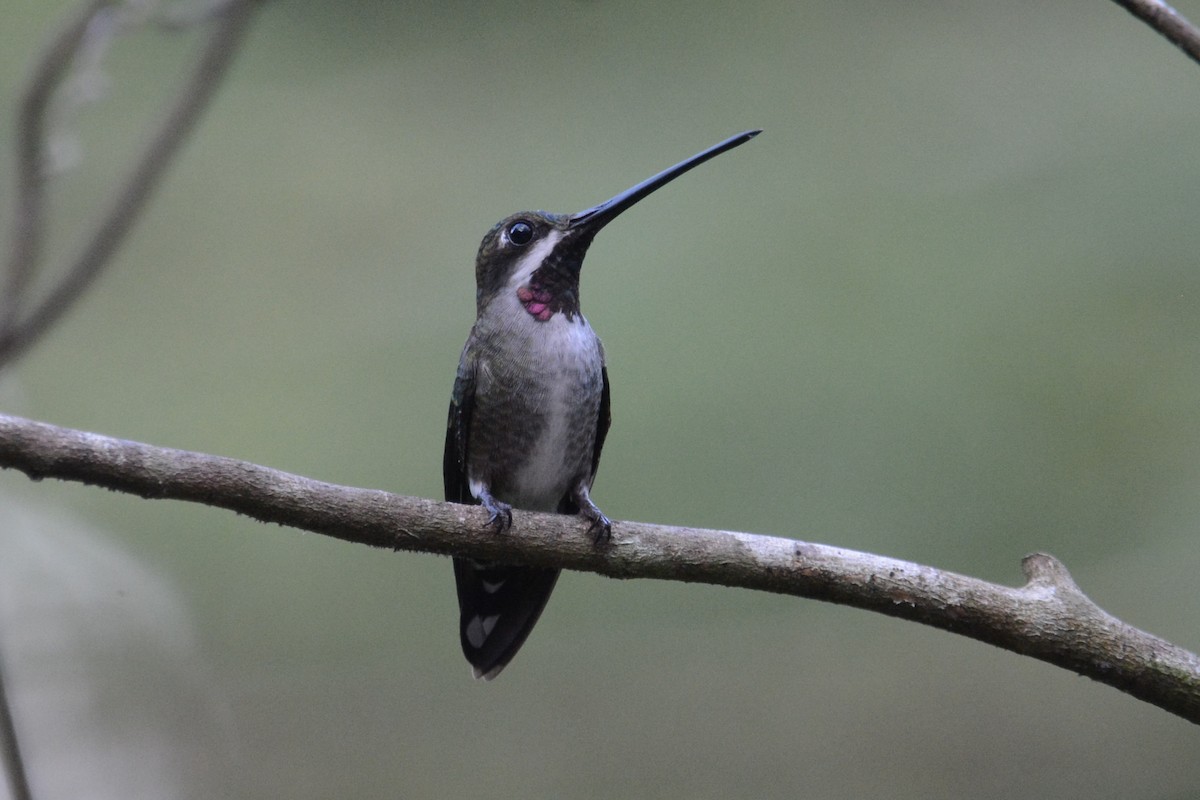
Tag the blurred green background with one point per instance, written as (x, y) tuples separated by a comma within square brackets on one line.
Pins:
[(944, 309)]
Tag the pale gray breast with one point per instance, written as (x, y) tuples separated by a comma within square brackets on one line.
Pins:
[(562, 452), (537, 407)]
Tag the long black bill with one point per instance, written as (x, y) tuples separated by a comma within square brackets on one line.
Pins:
[(597, 217)]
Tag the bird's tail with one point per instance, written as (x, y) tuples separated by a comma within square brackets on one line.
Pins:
[(498, 607)]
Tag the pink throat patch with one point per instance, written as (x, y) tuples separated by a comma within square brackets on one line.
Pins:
[(537, 302)]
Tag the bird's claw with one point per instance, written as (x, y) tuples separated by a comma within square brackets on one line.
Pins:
[(499, 516), (600, 530)]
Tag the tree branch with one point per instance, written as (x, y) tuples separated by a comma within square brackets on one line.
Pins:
[(1048, 618), (29, 214), (1168, 22), (17, 334), (13, 763)]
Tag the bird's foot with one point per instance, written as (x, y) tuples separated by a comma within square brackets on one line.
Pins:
[(601, 527), (499, 514)]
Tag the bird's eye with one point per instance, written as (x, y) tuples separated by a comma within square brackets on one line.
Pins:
[(520, 233)]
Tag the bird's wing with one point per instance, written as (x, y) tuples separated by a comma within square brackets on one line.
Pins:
[(605, 419), (458, 428)]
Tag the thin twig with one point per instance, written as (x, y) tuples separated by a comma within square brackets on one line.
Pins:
[(1168, 22), (10, 748), (29, 212), (1049, 618), (19, 334)]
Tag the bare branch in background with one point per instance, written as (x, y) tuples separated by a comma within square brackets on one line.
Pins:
[(11, 761), (1168, 22), (1049, 618), (29, 213), (20, 328), (90, 31)]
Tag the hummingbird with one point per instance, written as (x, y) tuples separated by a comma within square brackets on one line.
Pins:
[(530, 408)]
